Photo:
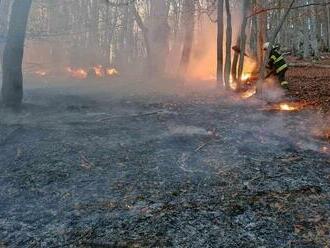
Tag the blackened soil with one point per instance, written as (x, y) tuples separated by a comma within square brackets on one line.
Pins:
[(197, 170)]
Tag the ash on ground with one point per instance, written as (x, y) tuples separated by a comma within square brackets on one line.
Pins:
[(195, 170)]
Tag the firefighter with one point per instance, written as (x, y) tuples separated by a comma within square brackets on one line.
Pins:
[(277, 64)]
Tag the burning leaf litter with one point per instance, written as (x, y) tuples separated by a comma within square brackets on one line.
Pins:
[(97, 71), (81, 73), (287, 106), (249, 93)]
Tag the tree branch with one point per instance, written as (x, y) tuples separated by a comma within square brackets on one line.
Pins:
[(279, 8)]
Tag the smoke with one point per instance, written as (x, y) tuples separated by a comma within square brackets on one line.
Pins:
[(188, 131), (272, 91)]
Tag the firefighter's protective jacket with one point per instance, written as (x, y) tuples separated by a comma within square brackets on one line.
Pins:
[(277, 61)]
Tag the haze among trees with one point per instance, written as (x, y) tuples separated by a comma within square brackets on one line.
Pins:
[(157, 38), (165, 123)]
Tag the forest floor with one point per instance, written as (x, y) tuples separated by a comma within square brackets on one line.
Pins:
[(147, 169), (311, 84)]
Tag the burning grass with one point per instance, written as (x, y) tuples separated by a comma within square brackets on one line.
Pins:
[(77, 73), (41, 73), (249, 93), (80, 73), (97, 71), (287, 106)]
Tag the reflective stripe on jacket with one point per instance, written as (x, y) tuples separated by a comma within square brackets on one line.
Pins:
[(277, 61)]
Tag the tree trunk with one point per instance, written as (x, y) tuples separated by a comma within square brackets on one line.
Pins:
[(254, 33), (145, 35), (246, 7), (306, 41), (12, 78), (228, 46), (188, 19), (327, 26), (220, 45), (262, 31), (263, 68), (235, 60), (158, 35), (315, 40)]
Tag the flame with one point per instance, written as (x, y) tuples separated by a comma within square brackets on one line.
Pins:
[(325, 149), (249, 93), (244, 79), (78, 73), (291, 106), (112, 72), (245, 76), (288, 107), (40, 73), (99, 71)]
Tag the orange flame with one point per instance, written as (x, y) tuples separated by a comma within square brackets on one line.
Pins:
[(99, 71), (112, 72), (246, 76), (78, 73), (249, 93), (288, 107)]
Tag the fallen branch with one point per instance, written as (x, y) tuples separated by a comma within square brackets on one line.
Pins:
[(213, 137), (85, 163), (203, 145)]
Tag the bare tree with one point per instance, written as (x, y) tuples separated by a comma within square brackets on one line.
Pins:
[(220, 44), (246, 7), (12, 79), (228, 46), (188, 19), (272, 40)]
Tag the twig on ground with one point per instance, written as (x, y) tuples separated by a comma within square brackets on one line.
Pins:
[(203, 145), (85, 163)]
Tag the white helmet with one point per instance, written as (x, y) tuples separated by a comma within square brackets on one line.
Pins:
[(266, 45)]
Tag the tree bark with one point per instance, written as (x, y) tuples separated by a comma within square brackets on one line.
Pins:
[(262, 34), (246, 7), (220, 45), (188, 19), (145, 35), (158, 35), (314, 33), (263, 68), (235, 60), (12, 78), (327, 26), (228, 46)]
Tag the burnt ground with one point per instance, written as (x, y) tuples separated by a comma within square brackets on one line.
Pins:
[(81, 169)]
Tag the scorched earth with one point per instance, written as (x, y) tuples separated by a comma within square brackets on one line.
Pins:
[(90, 169)]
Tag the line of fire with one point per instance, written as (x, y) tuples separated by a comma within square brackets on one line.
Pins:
[(165, 123)]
